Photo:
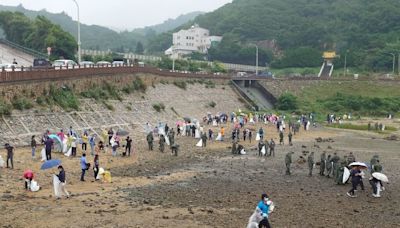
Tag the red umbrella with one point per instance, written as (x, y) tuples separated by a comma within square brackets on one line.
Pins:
[(28, 174)]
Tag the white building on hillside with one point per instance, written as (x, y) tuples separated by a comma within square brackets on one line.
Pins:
[(195, 39)]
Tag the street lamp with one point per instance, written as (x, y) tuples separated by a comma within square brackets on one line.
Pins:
[(345, 63), (79, 33), (256, 59), (173, 58), (398, 64), (394, 61)]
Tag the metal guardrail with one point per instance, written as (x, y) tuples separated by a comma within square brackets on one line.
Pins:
[(24, 49), (28, 74)]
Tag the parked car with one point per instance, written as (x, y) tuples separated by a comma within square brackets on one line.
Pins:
[(64, 63), (9, 67), (118, 63), (86, 64), (41, 64), (268, 74), (103, 63)]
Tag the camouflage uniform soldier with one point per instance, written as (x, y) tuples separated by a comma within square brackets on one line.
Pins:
[(310, 161), (322, 164), (290, 138), (374, 161), (377, 167), (350, 158), (204, 139), (260, 146), (162, 143), (335, 159), (281, 138), (234, 147), (150, 140), (175, 149), (272, 148), (340, 171), (328, 166), (171, 137), (288, 161)]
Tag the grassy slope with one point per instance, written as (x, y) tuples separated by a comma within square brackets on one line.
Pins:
[(310, 94)]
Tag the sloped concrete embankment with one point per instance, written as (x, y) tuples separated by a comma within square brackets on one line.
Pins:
[(132, 113)]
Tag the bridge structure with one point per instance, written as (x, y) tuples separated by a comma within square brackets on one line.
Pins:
[(132, 57)]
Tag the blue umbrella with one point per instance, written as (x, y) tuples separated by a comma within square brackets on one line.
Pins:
[(50, 164)]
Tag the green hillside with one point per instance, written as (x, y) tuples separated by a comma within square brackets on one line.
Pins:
[(303, 29), (102, 38)]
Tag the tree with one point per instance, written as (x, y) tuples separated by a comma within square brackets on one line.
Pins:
[(38, 34), (139, 48), (287, 101)]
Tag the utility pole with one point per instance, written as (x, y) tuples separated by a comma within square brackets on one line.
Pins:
[(394, 61), (398, 64), (79, 34), (345, 64), (256, 60)]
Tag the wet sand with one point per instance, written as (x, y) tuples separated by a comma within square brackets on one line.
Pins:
[(206, 187)]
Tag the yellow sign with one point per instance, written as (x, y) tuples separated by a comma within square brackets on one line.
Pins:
[(329, 55)]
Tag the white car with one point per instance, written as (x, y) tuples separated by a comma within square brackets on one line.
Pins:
[(9, 67), (86, 64), (64, 63), (118, 63), (103, 63)]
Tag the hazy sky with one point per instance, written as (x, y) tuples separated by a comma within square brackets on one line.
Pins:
[(121, 13)]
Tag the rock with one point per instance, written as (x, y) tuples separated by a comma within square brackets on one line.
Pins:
[(357, 211), (165, 217), (392, 138), (146, 201)]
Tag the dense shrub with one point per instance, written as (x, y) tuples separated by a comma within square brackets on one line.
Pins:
[(21, 103), (180, 84), (287, 101), (5, 108)]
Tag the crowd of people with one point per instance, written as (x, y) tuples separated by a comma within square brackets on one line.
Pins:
[(213, 128)]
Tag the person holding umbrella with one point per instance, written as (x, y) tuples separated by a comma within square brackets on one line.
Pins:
[(376, 183), (356, 177)]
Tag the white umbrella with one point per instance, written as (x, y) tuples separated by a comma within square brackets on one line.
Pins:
[(358, 164), (380, 176)]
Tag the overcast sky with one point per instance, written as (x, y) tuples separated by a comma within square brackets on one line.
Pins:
[(121, 13)]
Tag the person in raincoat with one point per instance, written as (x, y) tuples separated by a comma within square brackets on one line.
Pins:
[(260, 217)]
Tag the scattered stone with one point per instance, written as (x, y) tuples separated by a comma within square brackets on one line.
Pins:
[(165, 217), (392, 138)]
